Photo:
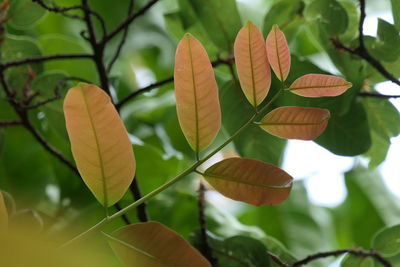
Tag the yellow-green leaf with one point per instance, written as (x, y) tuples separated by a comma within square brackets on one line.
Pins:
[(251, 181), (296, 122), (318, 85), (252, 64), (3, 215), (99, 143), (196, 94), (278, 53), (151, 244)]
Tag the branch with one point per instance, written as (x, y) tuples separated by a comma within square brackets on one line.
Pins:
[(366, 94), (356, 252), (362, 51), (277, 260), (123, 39), (43, 58), (4, 124), (58, 9), (203, 225), (226, 61), (128, 21)]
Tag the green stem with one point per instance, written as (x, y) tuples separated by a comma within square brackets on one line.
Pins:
[(189, 170)]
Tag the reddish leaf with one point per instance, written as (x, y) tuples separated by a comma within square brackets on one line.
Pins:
[(152, 244), (317, 85), (296, 122), (252, 64), (250, 181), (278, 53), (196, 94), (99, 143)]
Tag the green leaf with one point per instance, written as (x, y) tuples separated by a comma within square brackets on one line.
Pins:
[(353, 13), (253, 142), (384, 121), (221, 20), (387, 241), (282, 13), (396, 12), (347, 134), (25, 14), (330, 14), (352, 260), (386, 46), (277, 248)]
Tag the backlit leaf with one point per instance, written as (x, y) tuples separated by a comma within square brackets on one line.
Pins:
[(196, 94), (318, 85), (3, 215), (252, 64), (251, 181), (278, 53), (387, 241), (296, 122), (152, 244), (99, 143)]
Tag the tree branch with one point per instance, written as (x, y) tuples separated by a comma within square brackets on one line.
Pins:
[(227, 61), (362, 51), (4, 124), (128, 21), (356, 252), (40, 59), (123, 39), (141, 210), (58, 9)]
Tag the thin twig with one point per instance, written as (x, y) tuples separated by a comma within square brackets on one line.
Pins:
[(277, 260), (356, 252), (226, 61), (58, 9), (4, 124), (362, 51), (203, 225), (129, 20), (40, 59), (123, 39)]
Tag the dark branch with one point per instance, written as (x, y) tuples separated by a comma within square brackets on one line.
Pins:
[(356, 252), (129, 20), (227, 61), (141, 210), (4, 124), (57, 9), (362, 51), (203, 225), (40, 59), (123, 39), (366, 94)]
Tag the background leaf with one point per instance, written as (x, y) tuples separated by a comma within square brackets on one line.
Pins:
[(196, 94), (100, 143), (387, 241), (3, 215), (250, 181)]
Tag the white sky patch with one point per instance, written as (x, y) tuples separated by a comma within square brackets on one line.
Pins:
[(321, 170)]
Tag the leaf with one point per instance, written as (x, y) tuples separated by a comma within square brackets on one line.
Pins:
[(3, 215), (251, 181), (396, 12), (387, 241), (252, 142), (225, 22), (25, 13), (252, 64), (26, 221), (318, 85), (330, 14), (100, 143), (347, 134), (386, 46), (196, 94), (296, 122), (153, 244), (353, 260), (278, 53)]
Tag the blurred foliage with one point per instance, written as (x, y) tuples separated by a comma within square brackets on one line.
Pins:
[(359, 126)]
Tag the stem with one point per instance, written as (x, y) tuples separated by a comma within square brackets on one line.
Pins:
[(186, 172)]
